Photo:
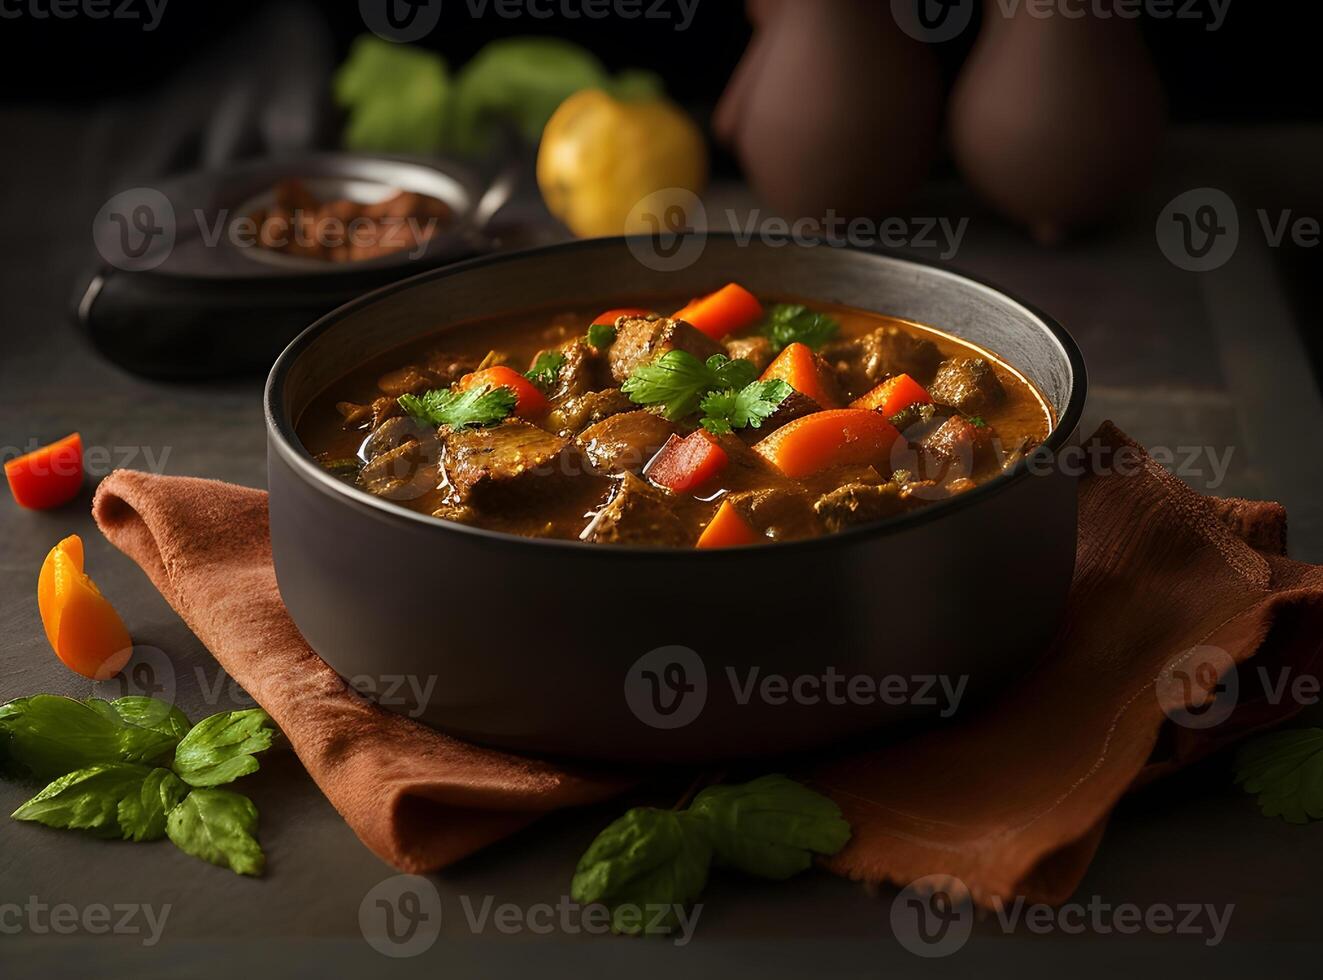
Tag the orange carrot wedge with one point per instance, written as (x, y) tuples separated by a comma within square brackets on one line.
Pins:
[(730, 308), (530, 402), (894, 395), (832, 438), (804, 371), (608, 319), (727, 529)]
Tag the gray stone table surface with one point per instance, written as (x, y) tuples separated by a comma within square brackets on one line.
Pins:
[(1178, 359)]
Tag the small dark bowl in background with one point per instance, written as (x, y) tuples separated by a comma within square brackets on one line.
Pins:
[(568, 648)]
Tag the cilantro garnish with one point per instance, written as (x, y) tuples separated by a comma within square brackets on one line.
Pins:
[(546, 368), (976, 421), (677, 381), (790, 323), (459, 409), (726, 410), (1285, 769), (601, 335)]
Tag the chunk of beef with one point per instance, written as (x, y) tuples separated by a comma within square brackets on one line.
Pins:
[(502, 462), (626, 441), (916, 421), (796, 405), (755, 349), (782, 513), (575, 414), (640, 339), (863, 362), (582, 371), (957, 448), (370, 415), (449, 367), (410, 380), (638, 514), (967, 383), (402, 460), (862, 503)]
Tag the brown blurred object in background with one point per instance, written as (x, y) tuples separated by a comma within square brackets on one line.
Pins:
[(1055, 119), (832, 107)]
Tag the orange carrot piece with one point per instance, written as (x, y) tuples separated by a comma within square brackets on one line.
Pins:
[(49, 476), (683, 464), (82, 626), (608, 319), (727, 529), (804, 371), (894, 395), (831, 438), (529, 403), (730, 308)]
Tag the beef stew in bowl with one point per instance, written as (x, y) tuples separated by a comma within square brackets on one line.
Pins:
[(730, 420)]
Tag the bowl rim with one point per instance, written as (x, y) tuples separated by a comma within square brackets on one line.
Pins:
[(282, 437)]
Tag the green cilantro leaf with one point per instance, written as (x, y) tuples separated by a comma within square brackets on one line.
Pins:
[(726, 410), (46, 736), (646, 860), (218, 826), (976, 421), (789, 323), (546, 368), (1285, 769), (398, 97), (220, 749), (478, 406), (677, 381), (771, 827), (601, 335)]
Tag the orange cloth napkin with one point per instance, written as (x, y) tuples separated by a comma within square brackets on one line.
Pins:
[(1012, 799)]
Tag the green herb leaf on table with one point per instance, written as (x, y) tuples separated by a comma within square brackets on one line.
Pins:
[(397, 96), (601, 335), (771, 827), (1285, 770), (646, 860), (142, 814), (724, 411), (480, 406), (46, 736), (221, 748), (144, 712), (677, 381), (789, 323), (86, 799), (218, 826), (546, 368)]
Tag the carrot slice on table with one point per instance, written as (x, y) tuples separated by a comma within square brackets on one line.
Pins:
[(82, 626), (730, 308), (831, 438), (806, 372), (529, 403), (608, 319), (49, 476), (727, 529), (683, 464), (894, 395)]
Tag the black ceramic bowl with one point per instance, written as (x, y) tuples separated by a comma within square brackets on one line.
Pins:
[(648, 654)]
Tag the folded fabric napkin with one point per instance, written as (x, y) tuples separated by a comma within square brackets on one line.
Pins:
[(1011, 799)]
